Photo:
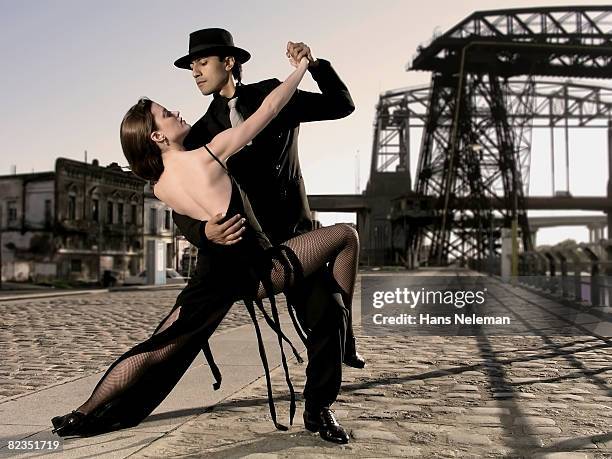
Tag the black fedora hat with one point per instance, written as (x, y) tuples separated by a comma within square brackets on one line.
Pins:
[(211, 42)]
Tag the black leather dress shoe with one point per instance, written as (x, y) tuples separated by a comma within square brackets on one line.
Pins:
[(69, 424), (324, 422)]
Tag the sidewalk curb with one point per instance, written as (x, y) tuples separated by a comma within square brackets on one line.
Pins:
[(35, 296)]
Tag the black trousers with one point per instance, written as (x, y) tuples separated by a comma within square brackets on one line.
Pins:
[(323, 316)]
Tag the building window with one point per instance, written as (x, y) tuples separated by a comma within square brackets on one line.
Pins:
[(109, 212), (169, 255), (120, 213), (134, 214), (75, 265), (71, 207), (48, 214), (95, 210), (167, 218), (153, 221), (12, 212)]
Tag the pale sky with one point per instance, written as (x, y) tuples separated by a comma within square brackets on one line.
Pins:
[(71, 69)]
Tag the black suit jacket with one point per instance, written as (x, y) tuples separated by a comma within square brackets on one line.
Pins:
[(269, 169)]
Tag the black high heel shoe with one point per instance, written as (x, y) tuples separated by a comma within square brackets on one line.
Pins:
[(69, 424), (351, 357)]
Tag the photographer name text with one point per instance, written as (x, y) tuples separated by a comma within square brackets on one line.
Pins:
[(429, 319)]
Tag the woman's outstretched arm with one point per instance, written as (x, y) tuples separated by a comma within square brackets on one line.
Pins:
[(230, 141)]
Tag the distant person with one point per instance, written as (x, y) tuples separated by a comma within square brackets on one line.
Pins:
[(108, 279)]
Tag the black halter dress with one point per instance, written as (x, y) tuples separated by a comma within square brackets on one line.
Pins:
[(230, 273)]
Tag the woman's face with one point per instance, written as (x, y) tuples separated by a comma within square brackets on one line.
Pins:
[(169, 124)]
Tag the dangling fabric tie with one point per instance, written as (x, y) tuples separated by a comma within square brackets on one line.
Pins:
[(291, 265), (296, 324), (284, 359), (212, 364), (276, 327), (264, 361)]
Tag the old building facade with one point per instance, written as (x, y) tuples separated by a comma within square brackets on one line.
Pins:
[(72, 223), (26, 225)]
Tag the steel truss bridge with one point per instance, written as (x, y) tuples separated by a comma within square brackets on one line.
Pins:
[(491, 86)]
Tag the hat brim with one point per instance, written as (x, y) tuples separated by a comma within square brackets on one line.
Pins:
[(239, 54)]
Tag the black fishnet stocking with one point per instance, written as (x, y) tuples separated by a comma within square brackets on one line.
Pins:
[(127, 372), (338, 245)]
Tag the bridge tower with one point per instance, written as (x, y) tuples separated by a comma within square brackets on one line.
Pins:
[(389, 179), (471, 152)]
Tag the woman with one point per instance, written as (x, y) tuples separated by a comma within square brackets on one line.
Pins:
[(196, 183)]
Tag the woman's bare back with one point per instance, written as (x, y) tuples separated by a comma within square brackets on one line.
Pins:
[(194, 184)]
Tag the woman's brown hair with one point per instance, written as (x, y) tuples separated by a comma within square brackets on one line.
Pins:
[(141, 152)]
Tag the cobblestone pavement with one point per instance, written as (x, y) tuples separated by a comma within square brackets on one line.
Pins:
[(487, 396), (53, 340)]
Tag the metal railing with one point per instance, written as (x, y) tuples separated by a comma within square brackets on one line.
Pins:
[(582, 274)]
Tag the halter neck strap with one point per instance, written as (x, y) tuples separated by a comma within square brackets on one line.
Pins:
[(216, 159)]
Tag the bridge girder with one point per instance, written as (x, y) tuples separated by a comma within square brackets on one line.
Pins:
[(566, 41), (477, 116)]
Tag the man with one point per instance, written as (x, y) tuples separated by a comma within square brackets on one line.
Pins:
[(269, 172)]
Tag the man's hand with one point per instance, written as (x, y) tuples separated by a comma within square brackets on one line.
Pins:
[(296, 51), (227, 233)]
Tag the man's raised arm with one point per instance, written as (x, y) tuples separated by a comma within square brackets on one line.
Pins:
[(334, 101)]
